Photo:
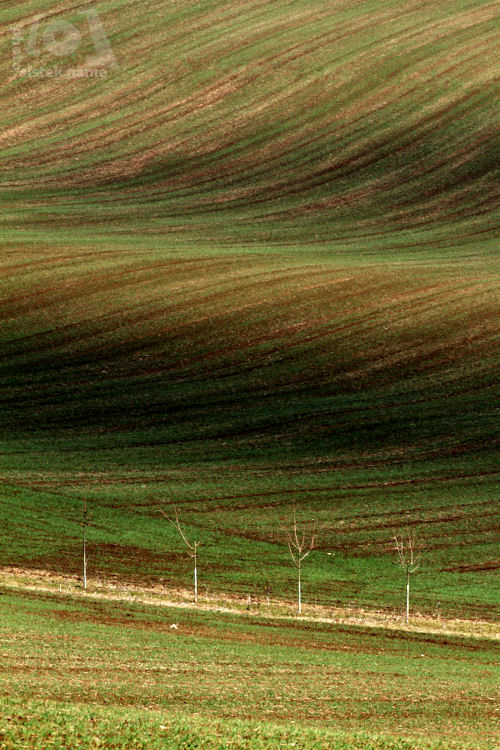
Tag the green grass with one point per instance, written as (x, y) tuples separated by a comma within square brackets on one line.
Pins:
[(255, 267), (371, 125), (48, 725), (86, 669)]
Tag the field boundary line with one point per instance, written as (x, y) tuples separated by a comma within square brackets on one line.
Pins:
[(68, 588)]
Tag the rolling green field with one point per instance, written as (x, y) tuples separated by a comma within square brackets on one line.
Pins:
[(237, 387), (253, 268)]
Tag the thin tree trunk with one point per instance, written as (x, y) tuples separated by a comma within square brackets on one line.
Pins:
[(407, 597), (300, 594), (195, 581), (84, 558), (85, 545)]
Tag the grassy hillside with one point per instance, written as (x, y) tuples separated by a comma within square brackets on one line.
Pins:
[(366, 122), (237, 386), (255, 266)]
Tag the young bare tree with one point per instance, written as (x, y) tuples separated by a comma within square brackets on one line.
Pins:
[(192, 548), (300, 547), (408, 557), (85, 523)]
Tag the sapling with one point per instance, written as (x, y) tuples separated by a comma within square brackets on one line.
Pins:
[(85, 523), (408, 558), (192, 548), (299, 548)]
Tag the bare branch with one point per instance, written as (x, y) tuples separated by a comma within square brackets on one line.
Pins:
[(191, 547), (299, 548), (407, 551)]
